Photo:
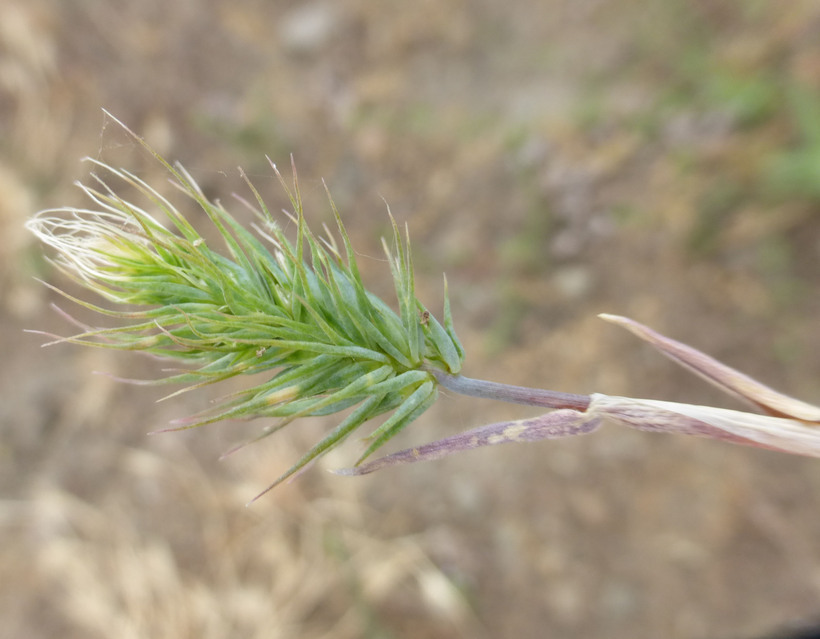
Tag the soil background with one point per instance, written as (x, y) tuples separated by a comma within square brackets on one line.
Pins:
[(557, 159)]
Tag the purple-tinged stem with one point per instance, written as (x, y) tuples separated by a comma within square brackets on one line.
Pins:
[(512, 394)]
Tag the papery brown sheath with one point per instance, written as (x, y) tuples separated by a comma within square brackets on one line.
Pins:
[(788, 425)]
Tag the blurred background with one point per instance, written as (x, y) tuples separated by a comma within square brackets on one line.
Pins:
[(556, 159)]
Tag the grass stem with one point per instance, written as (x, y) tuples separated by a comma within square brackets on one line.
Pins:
[(508, 393)]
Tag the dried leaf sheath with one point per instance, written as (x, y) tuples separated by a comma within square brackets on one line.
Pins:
[(791, 425), (775, 433), (727, 379)]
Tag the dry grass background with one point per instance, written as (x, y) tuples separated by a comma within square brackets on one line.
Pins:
[(556, 159)]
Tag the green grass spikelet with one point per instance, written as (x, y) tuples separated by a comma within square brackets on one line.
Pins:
[(294, 307)]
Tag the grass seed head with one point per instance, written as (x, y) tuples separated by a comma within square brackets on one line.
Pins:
[(295, 308)]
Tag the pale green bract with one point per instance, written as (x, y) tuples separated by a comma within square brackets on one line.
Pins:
[(296, 308)]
